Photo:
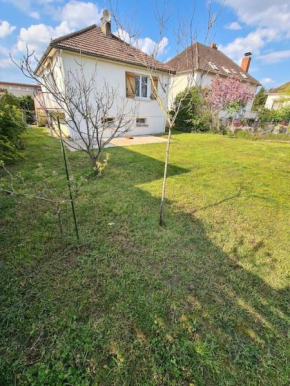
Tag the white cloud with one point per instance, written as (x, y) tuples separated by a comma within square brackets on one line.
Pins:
[(151, 47), (6, 29), (146, 45), (34, 15), (78, 14), (271, 18), (38, 36), (266, 13), (253, 42), (234, 26), (124, 35), (73, 15), (267, 81), (274, 57)]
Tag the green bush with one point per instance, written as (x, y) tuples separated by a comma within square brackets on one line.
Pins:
[(193, 115), (24, 103), (12, 126), (279, 115), (260, 99)]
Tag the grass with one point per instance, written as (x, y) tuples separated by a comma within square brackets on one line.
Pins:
[(262, 137), (201, 301)]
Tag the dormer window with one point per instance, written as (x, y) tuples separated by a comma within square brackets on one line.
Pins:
[(234, 72), (226, 70), (213, 66), (244, 75)]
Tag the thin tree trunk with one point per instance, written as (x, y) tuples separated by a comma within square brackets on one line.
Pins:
[(60, 222), (161, 210)]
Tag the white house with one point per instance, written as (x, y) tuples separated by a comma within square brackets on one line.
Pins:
[(119, 65), (278, 97), (20, 89), (198, 64)]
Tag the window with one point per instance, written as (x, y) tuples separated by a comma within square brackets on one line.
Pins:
[(234, 71), (226, 70), (213, 66), (141, 122), (141, 86), (108, 121), (244, 75)]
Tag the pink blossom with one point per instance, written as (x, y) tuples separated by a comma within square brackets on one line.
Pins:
[(225, 92)]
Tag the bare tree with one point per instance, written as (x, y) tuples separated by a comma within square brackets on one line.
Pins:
[(94, 114), (185, 35)]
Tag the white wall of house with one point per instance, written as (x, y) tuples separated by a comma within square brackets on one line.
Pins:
[(114, 75), (20, 90), (273, 101), (178, 83)]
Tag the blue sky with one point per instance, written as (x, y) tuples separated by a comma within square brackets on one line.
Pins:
[(260, 26)]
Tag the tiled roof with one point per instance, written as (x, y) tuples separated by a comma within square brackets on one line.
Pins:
[(92, 41), (19, 85), (281, 89), (198, 57)]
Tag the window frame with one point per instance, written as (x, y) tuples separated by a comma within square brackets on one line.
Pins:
[(140, 97), (213, 66), (226, 70), (140, 124), (108, 121), (243, 75)]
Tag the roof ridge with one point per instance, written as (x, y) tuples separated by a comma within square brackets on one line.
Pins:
[(73, 34)]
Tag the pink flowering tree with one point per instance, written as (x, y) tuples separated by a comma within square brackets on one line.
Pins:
[(229, 94)]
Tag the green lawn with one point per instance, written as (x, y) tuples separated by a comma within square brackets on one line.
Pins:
[(201, 301)]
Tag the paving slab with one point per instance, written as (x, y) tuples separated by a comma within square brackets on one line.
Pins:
[(116, 142)]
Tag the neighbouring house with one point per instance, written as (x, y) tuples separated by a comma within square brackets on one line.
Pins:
[(119, 65), (198, 64), (278, 97), (20, 89)]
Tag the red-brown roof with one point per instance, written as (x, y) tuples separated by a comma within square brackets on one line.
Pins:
[(284, 88), (198, 57), (92, 41), (20, 85)]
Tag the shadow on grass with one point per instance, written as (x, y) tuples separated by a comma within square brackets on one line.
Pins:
[(231, 325), (139, 304)]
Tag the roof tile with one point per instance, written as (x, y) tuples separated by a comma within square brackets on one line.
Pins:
[(93, 41), (198, 56)]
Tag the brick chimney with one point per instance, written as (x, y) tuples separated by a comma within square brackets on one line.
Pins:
[(246, 61), (106, 24), (213, 45)]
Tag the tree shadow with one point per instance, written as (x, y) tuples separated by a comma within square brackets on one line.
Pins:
[(235, 324), (149, 305)]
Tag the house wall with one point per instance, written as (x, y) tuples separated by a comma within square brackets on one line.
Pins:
[(178, 83), (114, 75), (273, 101), (19, 90)]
